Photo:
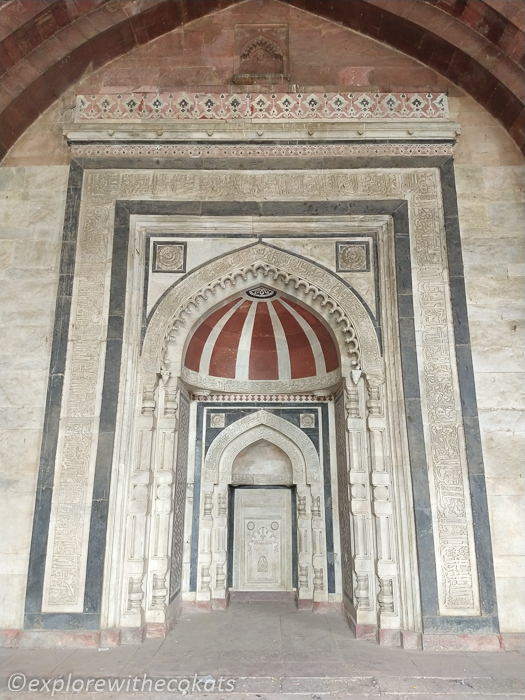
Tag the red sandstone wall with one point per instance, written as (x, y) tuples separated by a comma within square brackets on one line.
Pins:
[(321, 53)]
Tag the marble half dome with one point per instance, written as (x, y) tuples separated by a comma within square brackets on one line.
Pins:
[(261, 340)]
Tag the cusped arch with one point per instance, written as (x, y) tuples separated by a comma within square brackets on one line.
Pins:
[(262, 425), (188, 300)]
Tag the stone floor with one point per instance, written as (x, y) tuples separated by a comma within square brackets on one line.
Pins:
[(269, 650)]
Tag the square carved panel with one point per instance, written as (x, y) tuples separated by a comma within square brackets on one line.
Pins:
[(307, 420), (353, 256), (217, 420), (169, 257)]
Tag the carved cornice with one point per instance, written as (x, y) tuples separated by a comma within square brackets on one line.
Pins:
[(269, 386)]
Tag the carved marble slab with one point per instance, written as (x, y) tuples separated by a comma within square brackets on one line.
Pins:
[(262, 540)]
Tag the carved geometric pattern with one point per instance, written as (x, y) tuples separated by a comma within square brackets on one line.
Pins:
[(448, 478), (280, 105), (169, 257), (279, 398), (181, 469), (217, 420), (307, 420), (353, 256)]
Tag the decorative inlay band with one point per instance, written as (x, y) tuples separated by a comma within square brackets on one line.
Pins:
[(278, 398), (344, 150), (280, 105)]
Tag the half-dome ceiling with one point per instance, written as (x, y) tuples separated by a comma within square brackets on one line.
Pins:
[(261, 335)]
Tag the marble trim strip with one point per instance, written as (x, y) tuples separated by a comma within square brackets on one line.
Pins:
[(89, 619), (344, 150)]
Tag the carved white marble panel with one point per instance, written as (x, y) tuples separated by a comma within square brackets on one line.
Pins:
[(262, 540)]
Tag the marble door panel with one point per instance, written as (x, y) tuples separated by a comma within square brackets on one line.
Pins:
[(262, 553)]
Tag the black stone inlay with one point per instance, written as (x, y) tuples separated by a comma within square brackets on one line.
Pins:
[(273, 163)]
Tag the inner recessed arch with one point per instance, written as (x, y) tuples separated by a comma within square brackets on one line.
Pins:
[(262, 463)]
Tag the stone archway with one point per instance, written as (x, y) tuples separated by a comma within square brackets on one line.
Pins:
[(212, 585), (210, 284), (370, 584)]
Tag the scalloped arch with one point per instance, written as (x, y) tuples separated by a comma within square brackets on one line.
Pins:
[(200, 290)]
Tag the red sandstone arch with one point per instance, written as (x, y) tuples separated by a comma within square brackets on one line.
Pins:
[(46, 45)]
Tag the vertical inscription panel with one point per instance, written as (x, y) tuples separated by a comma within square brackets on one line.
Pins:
[(70, 517)]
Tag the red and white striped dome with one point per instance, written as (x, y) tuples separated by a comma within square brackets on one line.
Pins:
[(261, 335)]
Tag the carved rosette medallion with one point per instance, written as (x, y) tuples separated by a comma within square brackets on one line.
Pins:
[(353, 256), (169, 257)]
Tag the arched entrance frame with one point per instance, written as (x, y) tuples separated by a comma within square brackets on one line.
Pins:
[(376, 593), (307, 477)]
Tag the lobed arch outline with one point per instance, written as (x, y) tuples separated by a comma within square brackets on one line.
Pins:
[(262, 425), (191, 298)]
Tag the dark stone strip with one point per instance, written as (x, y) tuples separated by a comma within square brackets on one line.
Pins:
[(61, 621), (416, 439), (281, 163), (231, 521), (196, 499), (450, 624), (295, 555), (476, 469), (108, 414), (328, 504), (46, 472)]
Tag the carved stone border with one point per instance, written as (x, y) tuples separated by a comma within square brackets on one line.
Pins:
[(196, 151)]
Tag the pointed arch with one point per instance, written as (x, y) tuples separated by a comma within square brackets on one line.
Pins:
[(262, 425), (186, 301)]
